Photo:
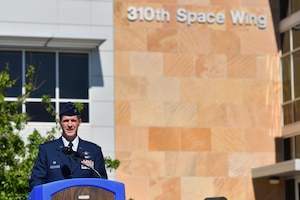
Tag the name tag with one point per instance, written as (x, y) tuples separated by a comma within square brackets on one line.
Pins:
[(54, 166)]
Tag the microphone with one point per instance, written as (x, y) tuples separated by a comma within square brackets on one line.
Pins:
[(75, 154), (69, 151)]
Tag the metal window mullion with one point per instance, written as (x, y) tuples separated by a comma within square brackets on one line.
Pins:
[(23, 78), (90, 54), (292, 74), (57, 82), (292, 85)]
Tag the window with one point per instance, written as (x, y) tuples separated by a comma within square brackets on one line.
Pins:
[(284, 9), (290, 70), (291, 147), (62, 75), (288, 7), (288, 148), (295, 6), (290, 62), (289, 186)]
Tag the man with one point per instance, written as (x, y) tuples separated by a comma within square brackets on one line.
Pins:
[(69, 156)]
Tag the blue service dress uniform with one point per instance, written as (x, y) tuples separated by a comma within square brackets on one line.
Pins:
[(52, 164)]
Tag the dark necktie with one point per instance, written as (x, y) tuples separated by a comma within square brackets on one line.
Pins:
[(70, 159), (70, 145)]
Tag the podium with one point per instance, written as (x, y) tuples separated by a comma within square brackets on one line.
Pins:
[(79, 188)]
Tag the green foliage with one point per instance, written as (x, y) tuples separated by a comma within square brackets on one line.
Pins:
[(15, 160), (17, 157), (110, 163)]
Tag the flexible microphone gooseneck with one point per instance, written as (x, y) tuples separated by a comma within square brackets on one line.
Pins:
[(75, 155), (69, 151)]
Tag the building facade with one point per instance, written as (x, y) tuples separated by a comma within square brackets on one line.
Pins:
[(198, 100), (190, 96), (70, 43)]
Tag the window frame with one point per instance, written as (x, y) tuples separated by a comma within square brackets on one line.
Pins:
[(56, 99), (286, 25)]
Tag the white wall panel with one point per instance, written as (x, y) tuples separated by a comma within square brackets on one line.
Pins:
[(19, 28), (101, 13), (102, 113), (74, 12), (29, 11), (105, 93), (103, 135)]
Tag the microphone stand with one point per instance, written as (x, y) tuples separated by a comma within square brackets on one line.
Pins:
[(91, 168), (74, 154)]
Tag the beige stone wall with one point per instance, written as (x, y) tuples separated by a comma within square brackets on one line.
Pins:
[(196, 106)]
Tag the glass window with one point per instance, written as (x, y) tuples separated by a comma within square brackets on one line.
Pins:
[(287, 113), (288, 148), (295, 6), (290, 62), (73, 75), (284, 9), (45, 71), (297, 146), (289, 188), (37, 112), (296, 64), (285, 42), (12, 59), (62, 75), (297, 110), (296, 36), (286, 78)]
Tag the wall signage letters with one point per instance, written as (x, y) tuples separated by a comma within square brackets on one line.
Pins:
[(149, 14)]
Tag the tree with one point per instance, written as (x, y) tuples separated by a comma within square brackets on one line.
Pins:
[(16, 156)]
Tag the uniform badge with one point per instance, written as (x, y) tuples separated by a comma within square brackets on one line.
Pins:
[(87, 164), (86, 155)]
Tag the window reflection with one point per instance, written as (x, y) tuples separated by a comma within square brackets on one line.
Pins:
[(12, 59), (37, 112), (296, 62), (44, 76), (291, 147), (295, 6), (296, 36), (284, 9), (73, 75), (287, 113), (286, 78), (285, 42), (297, 110), (288, 147), (297, 146)]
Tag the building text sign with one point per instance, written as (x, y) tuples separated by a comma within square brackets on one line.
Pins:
[(149, 14)]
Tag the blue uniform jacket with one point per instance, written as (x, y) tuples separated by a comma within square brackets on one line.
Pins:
[(52, 164)]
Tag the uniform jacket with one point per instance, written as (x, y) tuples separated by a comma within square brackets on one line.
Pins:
[(53, 164)]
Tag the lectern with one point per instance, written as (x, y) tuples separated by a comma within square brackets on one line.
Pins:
[(79, 188)]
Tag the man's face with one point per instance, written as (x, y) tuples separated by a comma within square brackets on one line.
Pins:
[(70, 125)]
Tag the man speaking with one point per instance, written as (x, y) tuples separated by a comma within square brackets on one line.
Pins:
[(68, 156)]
